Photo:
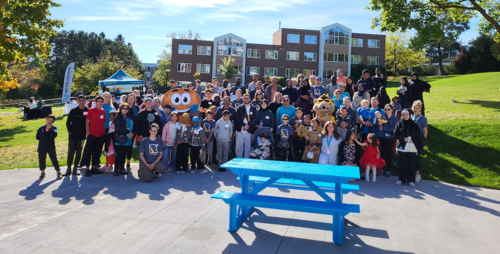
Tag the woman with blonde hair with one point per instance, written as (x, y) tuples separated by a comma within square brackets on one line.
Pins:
[(277, 102), (330, 144), (108, 107), (421, 121)]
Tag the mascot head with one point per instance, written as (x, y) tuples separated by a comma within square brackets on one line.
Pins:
[(181, 99), (323, 106)]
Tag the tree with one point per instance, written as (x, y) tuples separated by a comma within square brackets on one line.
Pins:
[(407, 15), (25, 29), (439, 36), (161, 75), (481, 56), (228, 69), (89, 74), (189, 35), (31, 79), (464, 62), (399, 54)]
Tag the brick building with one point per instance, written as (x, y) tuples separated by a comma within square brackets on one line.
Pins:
[(294, 51)]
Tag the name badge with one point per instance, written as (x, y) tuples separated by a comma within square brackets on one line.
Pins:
[(226, 125), (209, 103), (267, 117), (251, 113), (156, 113), (300, 121), (85, 113), (102, 116), (327, 151), (55, 130), (319, 135)]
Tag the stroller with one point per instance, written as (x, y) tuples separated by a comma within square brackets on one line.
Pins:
[(262, 151)]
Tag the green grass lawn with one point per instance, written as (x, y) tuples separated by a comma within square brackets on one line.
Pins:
[(18, 144), (463, 145)]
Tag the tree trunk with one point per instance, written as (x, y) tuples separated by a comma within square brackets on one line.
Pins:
[(440, 56)]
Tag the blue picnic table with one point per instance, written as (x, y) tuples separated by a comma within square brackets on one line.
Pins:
[(256, 175)]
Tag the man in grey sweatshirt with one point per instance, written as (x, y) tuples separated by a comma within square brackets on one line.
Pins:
[(223, 133)]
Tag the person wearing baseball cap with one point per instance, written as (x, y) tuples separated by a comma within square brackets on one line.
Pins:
[(197, 86), (317, 90)]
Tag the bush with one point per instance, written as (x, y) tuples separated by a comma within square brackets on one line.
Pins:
[(424, 70), (450, 69), (357, 71)]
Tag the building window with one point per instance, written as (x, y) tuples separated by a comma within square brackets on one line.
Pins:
[(372, 60), (357, 42), (310, 56), (204, 50), (291, 73), (253, 53), (237, 68), (203, 68), (149, 69), (373, 43), (334, 57), (251, 70), (292, 55), (311, 39), (184, 67), (270, 71), (356, 59), (271, 54), (229, 47), (308, 73), (336, 36), (293, 38), (185, 49), (327, 74), (147, 79)]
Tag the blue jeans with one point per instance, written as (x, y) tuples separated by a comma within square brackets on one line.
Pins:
[(169, 154)]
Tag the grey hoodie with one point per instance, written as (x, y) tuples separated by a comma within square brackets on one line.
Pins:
[(223, 130), (198, 137)]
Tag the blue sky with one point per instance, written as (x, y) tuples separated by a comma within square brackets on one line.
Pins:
[(145, 23)]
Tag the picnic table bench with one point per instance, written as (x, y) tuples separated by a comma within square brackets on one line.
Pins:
[(256, 175)]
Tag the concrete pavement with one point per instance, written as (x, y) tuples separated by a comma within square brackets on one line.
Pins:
[(108, 214)]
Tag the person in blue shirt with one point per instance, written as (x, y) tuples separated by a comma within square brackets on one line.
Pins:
[(108, 107), (368, 124), (286, 109), (317, 90)]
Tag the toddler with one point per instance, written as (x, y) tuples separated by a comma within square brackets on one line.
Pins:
[(395, 104), (371, 157), (263, 148)]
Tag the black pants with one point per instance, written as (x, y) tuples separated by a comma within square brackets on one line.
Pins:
[(281, 153), (407, 164), (107, 137), (121, 154), (92, 150), (182, 157), (74, 151), (386, 147), (129, 152), (196, 162), (42, 158)]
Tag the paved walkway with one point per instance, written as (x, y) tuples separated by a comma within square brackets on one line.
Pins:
[(107, 214)]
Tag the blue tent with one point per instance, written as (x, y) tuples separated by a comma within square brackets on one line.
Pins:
[(120, 78)]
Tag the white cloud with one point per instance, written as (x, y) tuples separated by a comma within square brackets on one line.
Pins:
[(116, 11)]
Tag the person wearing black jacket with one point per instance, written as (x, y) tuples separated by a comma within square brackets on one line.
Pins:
[(145, 118), (258, 87), (379, 79), (265, 117), (406, 134), (75, 123), (368, 83), (349, 151), (404, 93), (46, 145), (244, 124), (226, 105), (383, 97), (417, 89), (123, 138)]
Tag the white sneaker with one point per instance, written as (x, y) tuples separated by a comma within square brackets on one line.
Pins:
[(398, 183), (193, 172), (412, 184), (178, 172), (418, 178), (374, 179), (204, 171)]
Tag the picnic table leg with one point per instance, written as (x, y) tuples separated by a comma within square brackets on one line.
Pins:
[(338, 217), (244, 182), (233, 217)]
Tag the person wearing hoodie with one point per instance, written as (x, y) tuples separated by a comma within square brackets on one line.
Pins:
[(380, 79), (145, 118), (223, 133), (197, 143), (182, 140), (285, 133), (169, 146), (385, 134), (292, 93), (406, 149), (417, 88), (265, 117), (368, 83)]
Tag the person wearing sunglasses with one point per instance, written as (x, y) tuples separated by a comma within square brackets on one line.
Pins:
[(385, 134), (123, 138)]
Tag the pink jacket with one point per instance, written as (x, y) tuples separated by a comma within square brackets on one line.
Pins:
[(166, 133)]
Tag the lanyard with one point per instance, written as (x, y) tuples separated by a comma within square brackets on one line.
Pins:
[(329, 139)]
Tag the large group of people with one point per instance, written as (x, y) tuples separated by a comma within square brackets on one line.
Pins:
[(260, 120)]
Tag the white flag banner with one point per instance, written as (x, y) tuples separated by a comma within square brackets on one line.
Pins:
[(68, 79)]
